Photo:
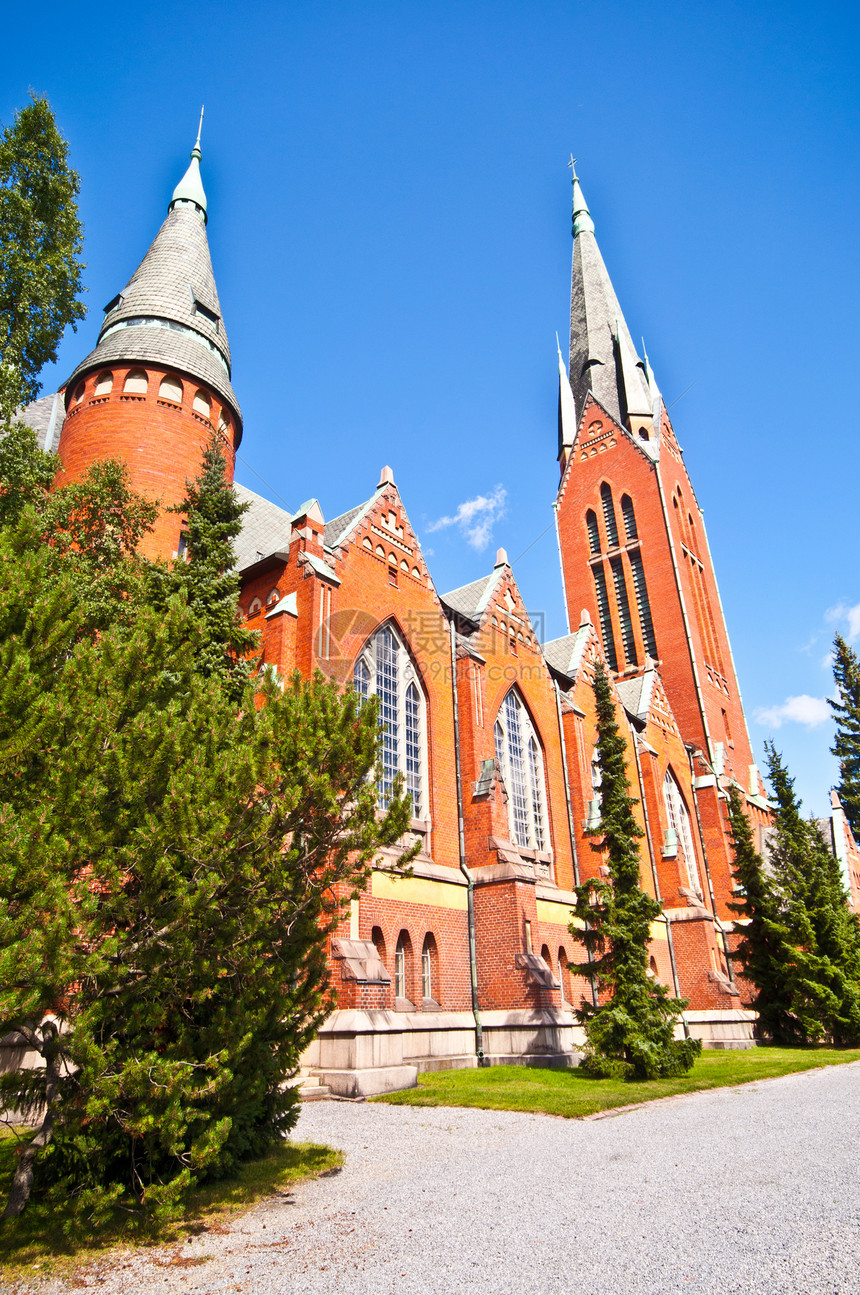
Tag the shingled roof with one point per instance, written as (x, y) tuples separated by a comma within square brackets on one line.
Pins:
[(169, 313), (603, 359), (470, 600), (46, 417), (265, 529)]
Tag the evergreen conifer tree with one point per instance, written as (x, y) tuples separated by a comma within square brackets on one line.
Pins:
[(630, 1033), (846, 712), (825, 980), (764, 953), (208, 579)]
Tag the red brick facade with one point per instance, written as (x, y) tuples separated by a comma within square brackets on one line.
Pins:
[(503, 728)]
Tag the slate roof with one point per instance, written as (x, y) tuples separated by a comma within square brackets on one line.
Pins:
[(470, 600), (46, 417), (339, 527), (265, 529), (614, 374), (564, 654), (171, 280), (636, 693)]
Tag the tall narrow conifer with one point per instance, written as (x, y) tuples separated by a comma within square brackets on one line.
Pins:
[(846, 712), (631, 1032)]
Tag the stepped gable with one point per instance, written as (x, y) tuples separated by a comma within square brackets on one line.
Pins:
[(382, 527), (494, 602), (169, 312)]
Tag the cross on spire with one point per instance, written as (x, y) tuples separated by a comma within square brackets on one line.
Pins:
[(572, 164)]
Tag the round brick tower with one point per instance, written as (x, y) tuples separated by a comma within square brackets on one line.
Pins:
[(157, 385)]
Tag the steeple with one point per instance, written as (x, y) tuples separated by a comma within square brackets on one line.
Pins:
[(168, 313), (566, 409), (603, 359), (190, 190)]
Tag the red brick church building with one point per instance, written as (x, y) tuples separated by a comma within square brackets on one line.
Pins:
[(469, 958)]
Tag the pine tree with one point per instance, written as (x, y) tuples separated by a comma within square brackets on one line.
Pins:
[(170, 869), (631, 1033), (825, 981), (846, 712), (208, 580), (764, 953)]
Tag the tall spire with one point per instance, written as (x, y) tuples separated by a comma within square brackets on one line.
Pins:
[(190, 190), (169, 313), (603, 359)]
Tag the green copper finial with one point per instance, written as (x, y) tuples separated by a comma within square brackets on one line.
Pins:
[(189, 191), (195, 152), (582, 222)]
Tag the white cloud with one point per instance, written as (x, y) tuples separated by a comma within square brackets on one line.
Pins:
[(476, 518), (806, 710), (847, 613)]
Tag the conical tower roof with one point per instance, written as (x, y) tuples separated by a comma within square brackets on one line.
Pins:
[(603, 359), (169, 313)]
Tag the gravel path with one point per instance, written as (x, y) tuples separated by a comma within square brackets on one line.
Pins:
[(753, 1189)]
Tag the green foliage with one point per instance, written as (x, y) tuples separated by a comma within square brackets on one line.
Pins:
[(171, 867), (208, 580), (846, 712), (823, 975), (40, 246), (574, 1094), (172, 856), (631, 1033), (765, 954)]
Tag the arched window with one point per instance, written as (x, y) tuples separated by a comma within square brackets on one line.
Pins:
[(202, 404), (402, 956), (519, 755), (430, 970), (171, 389), (629, 518), (546, 955), (622, 602), (643, 604), (385, 669), (593, 532), (679, 833), (104, 384), (563, 976), (609, 516), (256, 605), (136, 383), (272, 597)]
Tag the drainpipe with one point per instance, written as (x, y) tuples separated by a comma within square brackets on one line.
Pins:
[(566, 785), (717, 922), (650, 841), (470, 884)]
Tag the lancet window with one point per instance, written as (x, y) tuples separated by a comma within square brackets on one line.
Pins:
[(521, 763), (385, 669), (680, 830)]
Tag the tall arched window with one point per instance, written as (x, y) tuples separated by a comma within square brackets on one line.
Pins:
[(521, 762), (429, 970), (680, 829), (402, 970), (202, 404), (385, 669)]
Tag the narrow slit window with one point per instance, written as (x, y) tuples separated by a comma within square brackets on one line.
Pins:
[(629, 518), (643, 605), (606, 632), (593, 532), (624, 617), (609, 516)]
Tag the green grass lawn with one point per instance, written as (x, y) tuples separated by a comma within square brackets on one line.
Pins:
[(571, 1094), (40, 1242)]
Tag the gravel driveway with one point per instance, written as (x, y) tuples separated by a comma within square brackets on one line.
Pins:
[(753, 1189)]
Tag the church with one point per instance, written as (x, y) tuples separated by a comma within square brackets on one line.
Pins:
[(467, 961)]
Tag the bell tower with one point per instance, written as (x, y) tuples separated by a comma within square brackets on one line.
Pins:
[(158, 384), (634, 550)]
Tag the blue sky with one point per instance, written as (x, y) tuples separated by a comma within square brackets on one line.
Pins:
[(389, 222)]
